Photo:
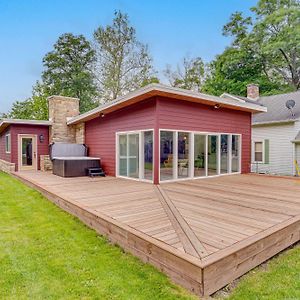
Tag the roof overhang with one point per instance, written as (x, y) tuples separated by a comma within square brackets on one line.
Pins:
[(169, 92), (271, 123), (4, 123)]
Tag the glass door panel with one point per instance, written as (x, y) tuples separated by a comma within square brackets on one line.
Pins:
[(199, 155), (27, 151), (224, 154), (148, 155), (133, 158), (235, 153), (166, 155), (123, 155), (183, 154), (212, 155)]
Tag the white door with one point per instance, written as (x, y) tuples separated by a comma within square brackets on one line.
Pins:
[(27, 152)]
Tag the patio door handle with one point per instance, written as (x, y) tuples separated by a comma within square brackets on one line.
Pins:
[(34, 154)]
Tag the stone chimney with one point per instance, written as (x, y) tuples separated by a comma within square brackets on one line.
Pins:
[(61, 109), (253, 91)]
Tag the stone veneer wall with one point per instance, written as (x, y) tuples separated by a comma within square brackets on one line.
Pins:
[(7, 167), (79, 133), (60, 110), (46, 163)]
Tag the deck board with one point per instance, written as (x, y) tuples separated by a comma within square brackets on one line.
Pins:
[(193, 229)]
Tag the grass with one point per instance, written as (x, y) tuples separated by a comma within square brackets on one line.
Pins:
[(277, 279), (46, 253)]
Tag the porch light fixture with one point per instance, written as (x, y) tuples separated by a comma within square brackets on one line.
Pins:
[(102, 115), (217, 106), (41, 138)]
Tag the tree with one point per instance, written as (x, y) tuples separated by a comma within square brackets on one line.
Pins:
[(123, 63), (68, 70), (238, 27), (35, 107), (276, 35), (190, 75), (235, 68), (247, 59)]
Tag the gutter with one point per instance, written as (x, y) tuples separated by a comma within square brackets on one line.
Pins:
[(279, 122)]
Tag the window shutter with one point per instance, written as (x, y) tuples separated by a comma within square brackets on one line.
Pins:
[(267, 151)]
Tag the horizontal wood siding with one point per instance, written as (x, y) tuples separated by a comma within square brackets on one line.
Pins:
[(42, 148), (281, 148), (100, 133), (3, 155), (179, 115)]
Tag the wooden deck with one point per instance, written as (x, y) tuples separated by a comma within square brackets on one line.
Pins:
[(203, 233)]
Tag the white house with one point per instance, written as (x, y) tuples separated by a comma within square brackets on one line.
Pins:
[(276, 133)]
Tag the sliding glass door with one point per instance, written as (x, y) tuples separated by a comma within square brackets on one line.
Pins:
[(193, 155), (183, 150), (147, 159), (212, 155), (235, 154), (135, 155), (200, 155)]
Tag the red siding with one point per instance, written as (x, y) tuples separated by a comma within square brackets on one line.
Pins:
[(100, 133), (160, 112), (42, 148), (182, 115), (3, 155)]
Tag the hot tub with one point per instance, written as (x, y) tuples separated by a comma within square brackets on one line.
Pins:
[(71, 160), (74, 166)]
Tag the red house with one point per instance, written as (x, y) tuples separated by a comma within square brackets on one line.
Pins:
[(156, 134)]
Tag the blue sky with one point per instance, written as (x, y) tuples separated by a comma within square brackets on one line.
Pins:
[(171, 28)]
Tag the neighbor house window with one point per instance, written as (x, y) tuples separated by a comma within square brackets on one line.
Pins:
[(258, 151), (7, 143)]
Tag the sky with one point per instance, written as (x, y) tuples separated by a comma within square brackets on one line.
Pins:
[(171, 28)]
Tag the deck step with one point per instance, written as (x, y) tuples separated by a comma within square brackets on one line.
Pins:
[(95, 172)]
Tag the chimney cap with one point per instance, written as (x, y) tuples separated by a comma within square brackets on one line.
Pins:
[(62, 98)]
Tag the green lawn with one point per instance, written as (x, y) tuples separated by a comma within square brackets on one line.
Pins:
[(47, 254), (276, 280)]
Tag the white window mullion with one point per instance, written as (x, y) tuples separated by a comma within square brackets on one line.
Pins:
[(206, 155), (127, 159), (191, 154), (230, 153), (218, 154), (141, 155), (175, 154)]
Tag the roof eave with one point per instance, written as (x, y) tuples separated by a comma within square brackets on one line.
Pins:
[(4, 123), (171, 92)]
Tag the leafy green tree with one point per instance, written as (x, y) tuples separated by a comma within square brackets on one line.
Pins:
[(68, 70), (189, 75), (123, 63), (35, 107), (276, 35), (249, 59)]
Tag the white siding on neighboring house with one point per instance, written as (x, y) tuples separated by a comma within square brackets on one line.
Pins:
[(298, 153), (281, 149)]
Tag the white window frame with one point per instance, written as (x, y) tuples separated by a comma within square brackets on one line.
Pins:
[(192, 135), (141, 154), (8, 143), (263, 152)]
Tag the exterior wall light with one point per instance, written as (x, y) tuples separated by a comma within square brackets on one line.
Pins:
[(217, 106), (41, 138)]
